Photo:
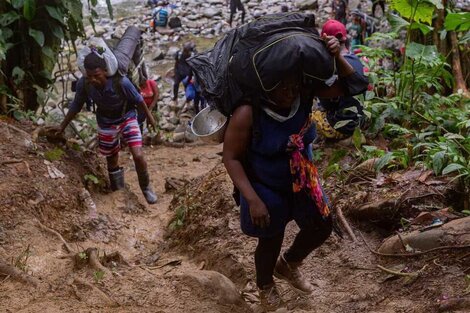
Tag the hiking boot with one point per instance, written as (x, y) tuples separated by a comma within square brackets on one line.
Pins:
[(116, 179), (270, 297), (144, 183), (290, 273)]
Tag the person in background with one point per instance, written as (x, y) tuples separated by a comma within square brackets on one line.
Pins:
[(182, 68), (357, 30), (277, 180), (339, 10), (338, 109), (116, 99), (236, 5), (149, 91), (376, 3), (161, 13)]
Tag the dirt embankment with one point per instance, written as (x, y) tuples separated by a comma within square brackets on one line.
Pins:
[(60, 254)]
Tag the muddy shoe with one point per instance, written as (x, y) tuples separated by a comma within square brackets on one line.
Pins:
[(144, 183), (116, 179), (149, 195), (270, 298), (290, 273)]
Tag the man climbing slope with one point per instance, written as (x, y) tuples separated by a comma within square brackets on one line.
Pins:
[(116, 99)]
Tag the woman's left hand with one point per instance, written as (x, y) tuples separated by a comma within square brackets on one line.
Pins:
[(332, 43)]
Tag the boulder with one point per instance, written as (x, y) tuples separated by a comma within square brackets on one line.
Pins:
[(221, 288)]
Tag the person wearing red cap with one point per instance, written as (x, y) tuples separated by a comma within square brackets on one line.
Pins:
[(339, 109)]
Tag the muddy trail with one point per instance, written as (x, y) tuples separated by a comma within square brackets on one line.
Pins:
[(60, 253)]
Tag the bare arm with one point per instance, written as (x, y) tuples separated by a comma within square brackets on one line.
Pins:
[(149, 115), (155, 97), (236, 142), (67, 119)]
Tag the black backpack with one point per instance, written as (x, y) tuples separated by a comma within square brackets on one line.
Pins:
[(256, 56)]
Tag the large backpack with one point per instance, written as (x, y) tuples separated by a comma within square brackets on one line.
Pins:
[(255, 57)]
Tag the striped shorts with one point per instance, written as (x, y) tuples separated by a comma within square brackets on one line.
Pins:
[(109, 137)]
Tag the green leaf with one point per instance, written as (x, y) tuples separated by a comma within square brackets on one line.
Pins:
[(397, 23), (465, 39), (437, 3), (8, 18), (29, 9), (37, 35), (438, 162), (422, 53), (454, 136), (56, 30), (457, 21), (425, 29), (47, 51), (6, 33), (55, 13), (383, 161), (110, 8), (92, 178), (17, 3), (342, 123), (18, 75), (357, 138), (417, 10), (452, 168)]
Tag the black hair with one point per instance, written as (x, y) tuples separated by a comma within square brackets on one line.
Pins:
[(93, 61)]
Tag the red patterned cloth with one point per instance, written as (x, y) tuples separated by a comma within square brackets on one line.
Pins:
[(304, 172)]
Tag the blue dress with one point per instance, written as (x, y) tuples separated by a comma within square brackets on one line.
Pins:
[(268, 168)]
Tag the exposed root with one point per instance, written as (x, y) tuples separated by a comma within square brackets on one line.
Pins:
[(16, 274), (98, 291), (344, 222), (405, 255), (51, 231), (389, 271), (16, 129)]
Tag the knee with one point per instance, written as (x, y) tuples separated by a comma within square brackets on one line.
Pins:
[(320, 228)]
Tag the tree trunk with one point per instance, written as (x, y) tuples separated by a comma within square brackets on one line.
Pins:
[(456, 65)]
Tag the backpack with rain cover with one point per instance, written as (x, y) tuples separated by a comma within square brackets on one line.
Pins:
[(255, 57)]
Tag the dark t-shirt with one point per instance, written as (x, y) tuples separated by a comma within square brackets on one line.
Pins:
[(110, 105)]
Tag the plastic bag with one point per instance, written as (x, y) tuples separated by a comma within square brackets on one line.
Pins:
[(101, 48)]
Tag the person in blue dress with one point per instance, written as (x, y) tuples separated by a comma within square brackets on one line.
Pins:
[(266, 149)]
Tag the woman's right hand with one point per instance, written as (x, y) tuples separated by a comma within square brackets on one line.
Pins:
[(259, 213)]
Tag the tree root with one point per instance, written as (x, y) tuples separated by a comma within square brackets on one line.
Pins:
[(28, 135), (55, 233), (344, 222), (406, 255), (98, 291), (454, 304), (16, 274)]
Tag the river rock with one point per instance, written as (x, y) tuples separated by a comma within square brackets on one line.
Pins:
[(306, 4), (211, 12)]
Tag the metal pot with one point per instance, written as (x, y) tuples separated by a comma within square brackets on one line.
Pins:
[(209, 125)]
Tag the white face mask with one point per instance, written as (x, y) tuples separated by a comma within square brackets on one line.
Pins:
[(294, 108)]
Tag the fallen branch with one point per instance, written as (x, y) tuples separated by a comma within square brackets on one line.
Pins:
[(49, 230), (344, 222), (101, 293), (16, 274), (405, 255)]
